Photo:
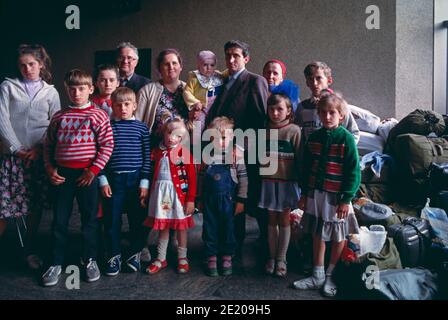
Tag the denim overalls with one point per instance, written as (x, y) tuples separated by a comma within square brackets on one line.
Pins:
[(219, 206)]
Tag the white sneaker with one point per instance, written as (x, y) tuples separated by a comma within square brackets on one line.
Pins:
[(145, 255), (310, 283), (330, 288)]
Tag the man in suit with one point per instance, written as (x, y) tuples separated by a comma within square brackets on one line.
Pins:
[(127, 60), (243, 99)]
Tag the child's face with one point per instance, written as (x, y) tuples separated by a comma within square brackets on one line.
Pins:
[(172, 136), (124, 110), (279, 113), (107, 82), (273, 74), (330, 117), (223, 139), (207, 67), (79, 94), (318, 81), (29, 67)]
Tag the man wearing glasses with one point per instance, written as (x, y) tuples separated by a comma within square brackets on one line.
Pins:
[(127, 60)]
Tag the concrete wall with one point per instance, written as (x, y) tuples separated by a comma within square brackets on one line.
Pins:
[(295, 31), (440, 56)]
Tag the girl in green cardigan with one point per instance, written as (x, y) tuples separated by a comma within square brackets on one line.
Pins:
[(331, 179)]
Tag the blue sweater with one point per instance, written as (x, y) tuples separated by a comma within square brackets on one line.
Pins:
[(131, 150)]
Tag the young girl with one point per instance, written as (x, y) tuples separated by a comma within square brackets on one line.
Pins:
[(280, 191), (331, 179), (203, 85), (172, 195), (27, 104), (106, 81)]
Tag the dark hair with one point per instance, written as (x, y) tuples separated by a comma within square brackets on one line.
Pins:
[(166, 52), (40, 54), (238, 44), (316, 65), (276, 99), (103, 67)]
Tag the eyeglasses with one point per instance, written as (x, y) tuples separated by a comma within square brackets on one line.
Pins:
[(129, 58)]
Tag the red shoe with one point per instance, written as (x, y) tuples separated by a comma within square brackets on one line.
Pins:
[(156, 266), (182, 265)]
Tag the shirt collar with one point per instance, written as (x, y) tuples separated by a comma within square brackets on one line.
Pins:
[(84, 106), (131, 118), (236, 75)]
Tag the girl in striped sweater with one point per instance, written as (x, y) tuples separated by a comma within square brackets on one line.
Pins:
[(280, 191), (331, 179)]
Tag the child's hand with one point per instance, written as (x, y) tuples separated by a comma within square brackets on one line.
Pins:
[(55, 178), (302, 203), (86, 178), (143, 196), (239, 208), (189, 208), (106, 191), (197, 106), (342, 210)]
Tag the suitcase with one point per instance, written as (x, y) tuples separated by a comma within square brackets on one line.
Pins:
[(412, 238)]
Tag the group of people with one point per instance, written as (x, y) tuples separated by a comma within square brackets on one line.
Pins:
[(123, 145)]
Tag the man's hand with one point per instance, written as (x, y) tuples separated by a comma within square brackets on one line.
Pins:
[(86, 178), (143, 196), (106, 191)]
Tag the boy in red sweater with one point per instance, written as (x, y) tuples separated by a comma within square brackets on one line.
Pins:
[(78, 145)]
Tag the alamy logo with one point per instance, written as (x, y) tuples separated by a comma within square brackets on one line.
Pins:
[(73, 278)]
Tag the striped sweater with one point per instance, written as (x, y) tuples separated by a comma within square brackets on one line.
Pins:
[(131, 148), (286, 155), (331, 163), (79, 138)]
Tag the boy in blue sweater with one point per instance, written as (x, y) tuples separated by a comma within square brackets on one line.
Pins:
[(125, 181)]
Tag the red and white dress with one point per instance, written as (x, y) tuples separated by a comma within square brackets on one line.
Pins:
[(173, 185)]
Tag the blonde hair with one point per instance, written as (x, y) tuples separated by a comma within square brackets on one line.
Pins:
[(123, 94), (173, 123), (221, 124), (332, 100), (77, 77)]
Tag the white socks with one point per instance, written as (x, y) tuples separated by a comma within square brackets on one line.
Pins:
[(283, 242), (161, 249), (181, 253), (330, 270)]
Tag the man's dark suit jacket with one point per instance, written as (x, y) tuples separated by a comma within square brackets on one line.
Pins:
[(136, 82), (244, 102)]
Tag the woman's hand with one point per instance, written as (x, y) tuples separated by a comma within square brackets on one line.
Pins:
[(106, 191), (86, 178), (239, 208), (143, 196), (189, 208), (342, 210)]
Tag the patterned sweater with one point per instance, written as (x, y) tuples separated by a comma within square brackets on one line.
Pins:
[(131, 149), (331, 163), (286, 157), (79, 138)]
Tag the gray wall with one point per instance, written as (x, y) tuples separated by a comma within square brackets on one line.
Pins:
[(440, 56), (368, 67)]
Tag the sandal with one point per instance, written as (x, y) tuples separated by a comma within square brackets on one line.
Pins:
[(269, 266), (227, 268), (156, 266), (182, 265), (212, 269), (281, 268)]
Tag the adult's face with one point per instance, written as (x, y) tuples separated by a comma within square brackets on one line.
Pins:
[(127, 61), (273, 73), (235, 61), (170, 68)]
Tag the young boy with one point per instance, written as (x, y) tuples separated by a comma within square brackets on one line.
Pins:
[(125, 180), (106, 80), (318, 79), (78, 145), (223, 191), (330, 181)]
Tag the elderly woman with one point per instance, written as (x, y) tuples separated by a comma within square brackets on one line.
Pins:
[(274, 71), (158, 99)]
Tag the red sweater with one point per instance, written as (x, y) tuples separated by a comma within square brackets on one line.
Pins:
[(79, 138), (183, 172)]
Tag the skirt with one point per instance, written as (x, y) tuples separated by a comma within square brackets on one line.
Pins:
[(279, 195)]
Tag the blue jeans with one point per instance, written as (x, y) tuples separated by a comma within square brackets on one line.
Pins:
[(87, 198), (219, 205), (125, 199)]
